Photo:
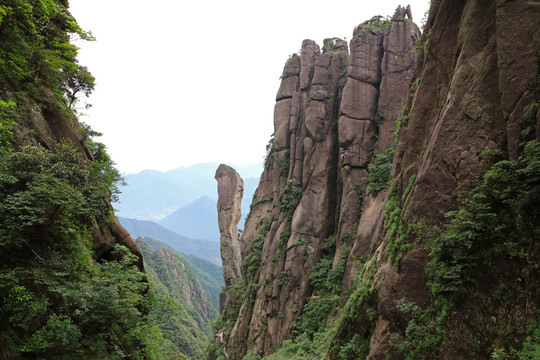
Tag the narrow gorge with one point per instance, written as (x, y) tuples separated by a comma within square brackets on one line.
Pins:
[(397, 213)]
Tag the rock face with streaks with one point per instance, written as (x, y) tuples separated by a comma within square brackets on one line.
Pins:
[(325, 131), (380, 66), (344, 117), (230, 192)]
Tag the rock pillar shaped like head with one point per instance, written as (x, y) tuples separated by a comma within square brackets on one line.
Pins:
[(230, 193)]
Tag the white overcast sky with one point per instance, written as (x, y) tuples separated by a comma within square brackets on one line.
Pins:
[(185, 82)]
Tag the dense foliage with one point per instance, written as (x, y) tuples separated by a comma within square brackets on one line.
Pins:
[(208, 274), (379, 170), (184, 312), (56, 301), (36, 53)]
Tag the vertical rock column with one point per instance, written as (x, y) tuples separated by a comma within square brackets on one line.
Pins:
[(230, 193), (397, 65), (357, 125), (380, 69)]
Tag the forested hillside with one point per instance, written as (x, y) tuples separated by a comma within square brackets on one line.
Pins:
[(209, 275), (184, 311), (72, 284)]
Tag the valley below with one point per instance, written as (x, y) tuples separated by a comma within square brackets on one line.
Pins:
[(395, 216)]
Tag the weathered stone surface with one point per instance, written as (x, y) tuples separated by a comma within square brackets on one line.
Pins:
[(380, 65), (287, 88), (325, 130), (366, 55), (469, 91), (361, 148), (396, 70), (350, 104), (298, 200), (230, 192), (282, 115), (461, 108), (315, 120), (310, 50), (401, 12), (292, 67)]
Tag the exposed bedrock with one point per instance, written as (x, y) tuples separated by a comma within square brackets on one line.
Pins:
[(230, 192), (326, 129)]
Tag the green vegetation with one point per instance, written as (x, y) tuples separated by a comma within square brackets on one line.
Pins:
[(302, 348), (270, 152), (253, 259), (498, 221), (423, 46), (207, 273), (396, 229), (376, 22), (182, 313), (422, 335), (379, 170), (150, 231), (326, 282), (35, 52), (291, 195), (492, 240), (240, 292), (400, 122), (350, 337), (56, 301), (59, 299), (254, 203), (530, 348)]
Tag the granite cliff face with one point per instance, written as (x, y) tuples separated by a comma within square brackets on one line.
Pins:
[(230, 192), (334, 110), (403, 282)]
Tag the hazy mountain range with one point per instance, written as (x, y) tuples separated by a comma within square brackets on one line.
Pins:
[(153, 195)]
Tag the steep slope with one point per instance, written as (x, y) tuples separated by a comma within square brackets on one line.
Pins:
[(475, 77), (170, 276), (349, 250), (209, 275), (71, 285), (331, 111)]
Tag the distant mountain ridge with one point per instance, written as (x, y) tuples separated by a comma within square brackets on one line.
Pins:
[(152, 195), (205, 249), (197, 220)]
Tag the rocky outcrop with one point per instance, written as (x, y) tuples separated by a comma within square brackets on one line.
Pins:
[(230, 192), (380, 66), (48, 125), (326, 128), (471, 91)]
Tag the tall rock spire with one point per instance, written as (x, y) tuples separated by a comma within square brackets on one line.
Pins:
[(230, 192), (325, 131)]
